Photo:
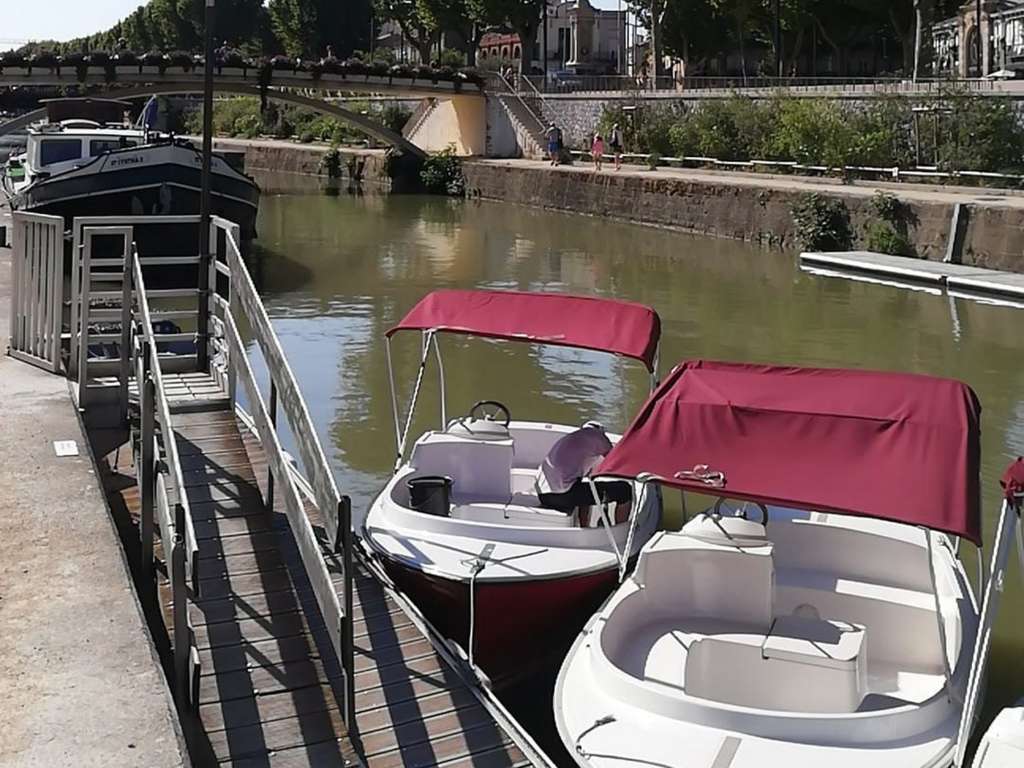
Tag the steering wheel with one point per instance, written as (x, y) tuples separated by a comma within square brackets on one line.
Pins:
[(490, 410), (762, 507)]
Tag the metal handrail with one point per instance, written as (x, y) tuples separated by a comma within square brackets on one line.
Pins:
[(173, 461), (320, 485)]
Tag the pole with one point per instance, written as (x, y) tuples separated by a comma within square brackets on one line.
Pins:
[(544, 45), (203, 321), (621, 34), (654, 45), (778, 41)]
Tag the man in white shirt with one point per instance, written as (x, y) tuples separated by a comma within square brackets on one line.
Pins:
[(560, 478)]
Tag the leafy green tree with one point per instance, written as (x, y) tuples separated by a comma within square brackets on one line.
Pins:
[(421, 29), (306, 27)]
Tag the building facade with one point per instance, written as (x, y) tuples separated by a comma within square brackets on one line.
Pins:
[(580, 38), (1000, 27)]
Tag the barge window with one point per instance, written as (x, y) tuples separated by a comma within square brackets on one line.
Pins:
[(59, 150), (102, 146)]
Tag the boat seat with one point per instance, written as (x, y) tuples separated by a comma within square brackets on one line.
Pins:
[(704, 572), (530, 517)]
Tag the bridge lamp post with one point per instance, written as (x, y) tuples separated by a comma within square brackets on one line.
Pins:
[(203, 325)]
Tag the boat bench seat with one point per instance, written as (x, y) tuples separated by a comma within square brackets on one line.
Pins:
[(520, 514)]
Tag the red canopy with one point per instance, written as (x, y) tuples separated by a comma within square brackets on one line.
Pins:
[(895, 446), (619, 327)]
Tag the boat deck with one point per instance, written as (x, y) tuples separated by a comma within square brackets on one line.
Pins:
[(267, 692)]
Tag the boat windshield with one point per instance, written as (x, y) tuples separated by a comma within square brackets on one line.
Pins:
[(59, 151)]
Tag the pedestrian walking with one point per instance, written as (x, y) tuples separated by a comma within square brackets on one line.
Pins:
[(597, 151), (615, 142), (554, 135)]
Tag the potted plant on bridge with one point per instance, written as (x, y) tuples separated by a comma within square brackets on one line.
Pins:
[(126, 62), (14, 64), (181, 59), (233, 64), (47, 60), (100, 63), (153, 63)]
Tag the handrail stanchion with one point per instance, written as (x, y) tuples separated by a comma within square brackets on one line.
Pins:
[(126, 328), (272, 412), (146, 473)]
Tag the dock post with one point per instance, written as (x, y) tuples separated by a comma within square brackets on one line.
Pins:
[(147, 479), (954, 244), (347, 633)]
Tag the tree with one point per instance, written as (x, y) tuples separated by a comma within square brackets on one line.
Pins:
[(421, 29), (305, 28)]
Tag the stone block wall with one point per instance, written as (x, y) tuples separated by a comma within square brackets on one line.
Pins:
[(741, 211)]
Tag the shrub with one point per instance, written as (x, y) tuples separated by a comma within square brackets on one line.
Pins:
[(395, 116), (331, 163), (887, 231), (822, 223), (883, 237), (442, 174), (451, 58)]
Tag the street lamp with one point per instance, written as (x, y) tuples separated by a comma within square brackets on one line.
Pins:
[(203, 325)]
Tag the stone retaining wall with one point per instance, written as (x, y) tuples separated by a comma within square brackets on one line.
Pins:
[(994, 237)]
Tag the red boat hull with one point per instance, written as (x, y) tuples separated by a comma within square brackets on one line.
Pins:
[(520, 626)]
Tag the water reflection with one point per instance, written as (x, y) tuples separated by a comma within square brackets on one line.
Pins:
[(338, 271)]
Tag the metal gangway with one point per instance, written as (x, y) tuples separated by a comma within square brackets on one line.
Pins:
[(283, 644)]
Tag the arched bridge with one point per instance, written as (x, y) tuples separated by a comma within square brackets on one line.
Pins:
[(288, 87)]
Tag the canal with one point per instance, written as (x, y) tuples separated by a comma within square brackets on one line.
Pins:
[(337, 271)]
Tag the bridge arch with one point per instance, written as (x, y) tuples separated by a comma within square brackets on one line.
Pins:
[(365, 124)]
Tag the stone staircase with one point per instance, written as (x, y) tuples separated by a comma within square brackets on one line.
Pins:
[(418, 118), (528, 126)]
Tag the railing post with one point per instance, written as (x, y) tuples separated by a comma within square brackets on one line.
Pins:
[(272, 410), (347, 633), (147, 473), (126, 328), (211, 287), (85, 288), (179, 612)]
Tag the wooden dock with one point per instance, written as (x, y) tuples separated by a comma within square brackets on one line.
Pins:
[(267, 692), (283, 644), (939, 274)]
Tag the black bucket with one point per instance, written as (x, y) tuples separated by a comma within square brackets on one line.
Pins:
[(430, 494)]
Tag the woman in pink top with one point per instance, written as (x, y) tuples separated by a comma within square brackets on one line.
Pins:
[(597, 151)]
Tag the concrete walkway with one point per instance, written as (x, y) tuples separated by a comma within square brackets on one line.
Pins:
[(79, 683), (910, 192)]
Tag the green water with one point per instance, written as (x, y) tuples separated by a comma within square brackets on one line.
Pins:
[(337, 272)]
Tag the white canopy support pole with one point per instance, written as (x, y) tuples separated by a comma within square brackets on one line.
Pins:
[(440, 375), (989, 608), (604, 516), (639, 502), (943, 643), (394, 400), (424, 354)]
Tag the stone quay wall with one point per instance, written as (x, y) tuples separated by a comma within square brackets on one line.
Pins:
[(739, 209)]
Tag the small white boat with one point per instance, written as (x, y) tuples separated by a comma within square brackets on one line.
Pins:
[(824, 618), (460, 527)]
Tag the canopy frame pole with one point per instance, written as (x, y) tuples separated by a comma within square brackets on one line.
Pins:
[(440, 377), (655, 365), (605, 517), (1008, 519), (639, 502), (424, 354), (394, 399), (943, 642)]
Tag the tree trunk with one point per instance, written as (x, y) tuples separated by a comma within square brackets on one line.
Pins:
[(794, 57), (527, 39)]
